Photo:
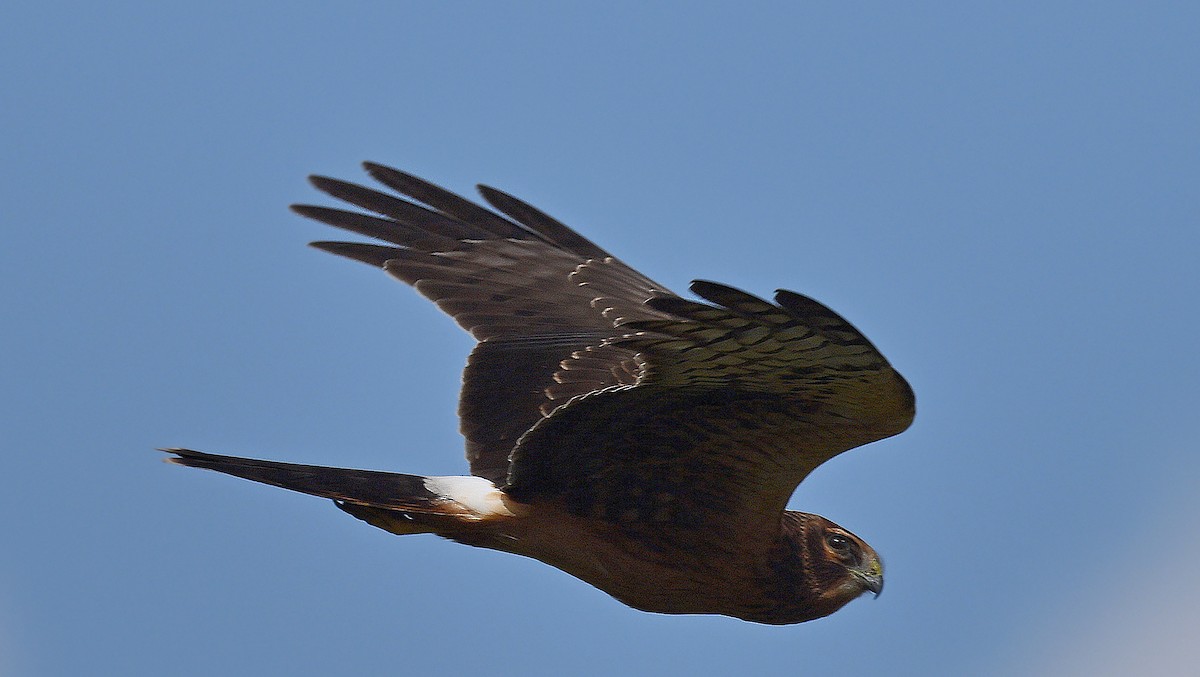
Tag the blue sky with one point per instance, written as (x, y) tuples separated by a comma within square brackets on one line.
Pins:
[(1003, 196)]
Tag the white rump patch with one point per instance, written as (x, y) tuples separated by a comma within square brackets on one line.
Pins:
[(473, 493)]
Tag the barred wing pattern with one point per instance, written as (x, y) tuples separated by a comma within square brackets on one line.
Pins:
[(735, 404), (593, 384), (644, 443)]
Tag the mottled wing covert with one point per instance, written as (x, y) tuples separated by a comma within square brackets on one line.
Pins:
[(735, 404)]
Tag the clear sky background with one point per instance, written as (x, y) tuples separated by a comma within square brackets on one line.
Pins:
[(1003, 196)]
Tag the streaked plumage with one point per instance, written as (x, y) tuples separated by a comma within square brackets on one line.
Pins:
[(645, 443)]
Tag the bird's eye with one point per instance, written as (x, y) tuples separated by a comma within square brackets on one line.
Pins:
[(838, 542)]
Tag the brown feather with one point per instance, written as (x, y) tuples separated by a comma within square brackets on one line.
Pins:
[(646, 443)]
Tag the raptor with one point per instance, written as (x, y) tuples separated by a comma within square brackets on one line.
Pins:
[(645, 443)]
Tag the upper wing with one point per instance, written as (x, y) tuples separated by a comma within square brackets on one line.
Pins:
[(736, 403), (531, 290)]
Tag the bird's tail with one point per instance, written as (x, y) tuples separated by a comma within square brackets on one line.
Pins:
[(401, 504)]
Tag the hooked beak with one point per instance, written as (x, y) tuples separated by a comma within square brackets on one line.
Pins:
[(871, 576)]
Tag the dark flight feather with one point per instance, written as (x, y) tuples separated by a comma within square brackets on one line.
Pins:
[(641, 441)]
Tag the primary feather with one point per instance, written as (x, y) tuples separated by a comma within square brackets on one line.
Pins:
[(644, 442)]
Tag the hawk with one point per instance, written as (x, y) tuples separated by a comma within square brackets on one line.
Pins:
[(642, 442)]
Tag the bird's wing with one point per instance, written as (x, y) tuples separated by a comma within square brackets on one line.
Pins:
[(737, 401), (533, 292)]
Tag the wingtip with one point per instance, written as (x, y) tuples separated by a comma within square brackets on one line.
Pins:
[(725, 295), (334, 247), (371, 254), (702, 288), (325, 184), (339, 248), (315, 212), (487, 192), (379, 172)]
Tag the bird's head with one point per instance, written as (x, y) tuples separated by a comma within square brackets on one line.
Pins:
[(859, 565), (832, 566)]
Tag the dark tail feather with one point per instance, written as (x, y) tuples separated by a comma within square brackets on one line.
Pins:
[(389, 491)]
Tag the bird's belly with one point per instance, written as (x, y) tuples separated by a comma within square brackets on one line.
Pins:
[(640, 570)]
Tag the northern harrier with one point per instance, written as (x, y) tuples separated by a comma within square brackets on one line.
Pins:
[(644, 443)]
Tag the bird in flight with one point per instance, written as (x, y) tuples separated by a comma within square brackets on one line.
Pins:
[(645, 443)]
